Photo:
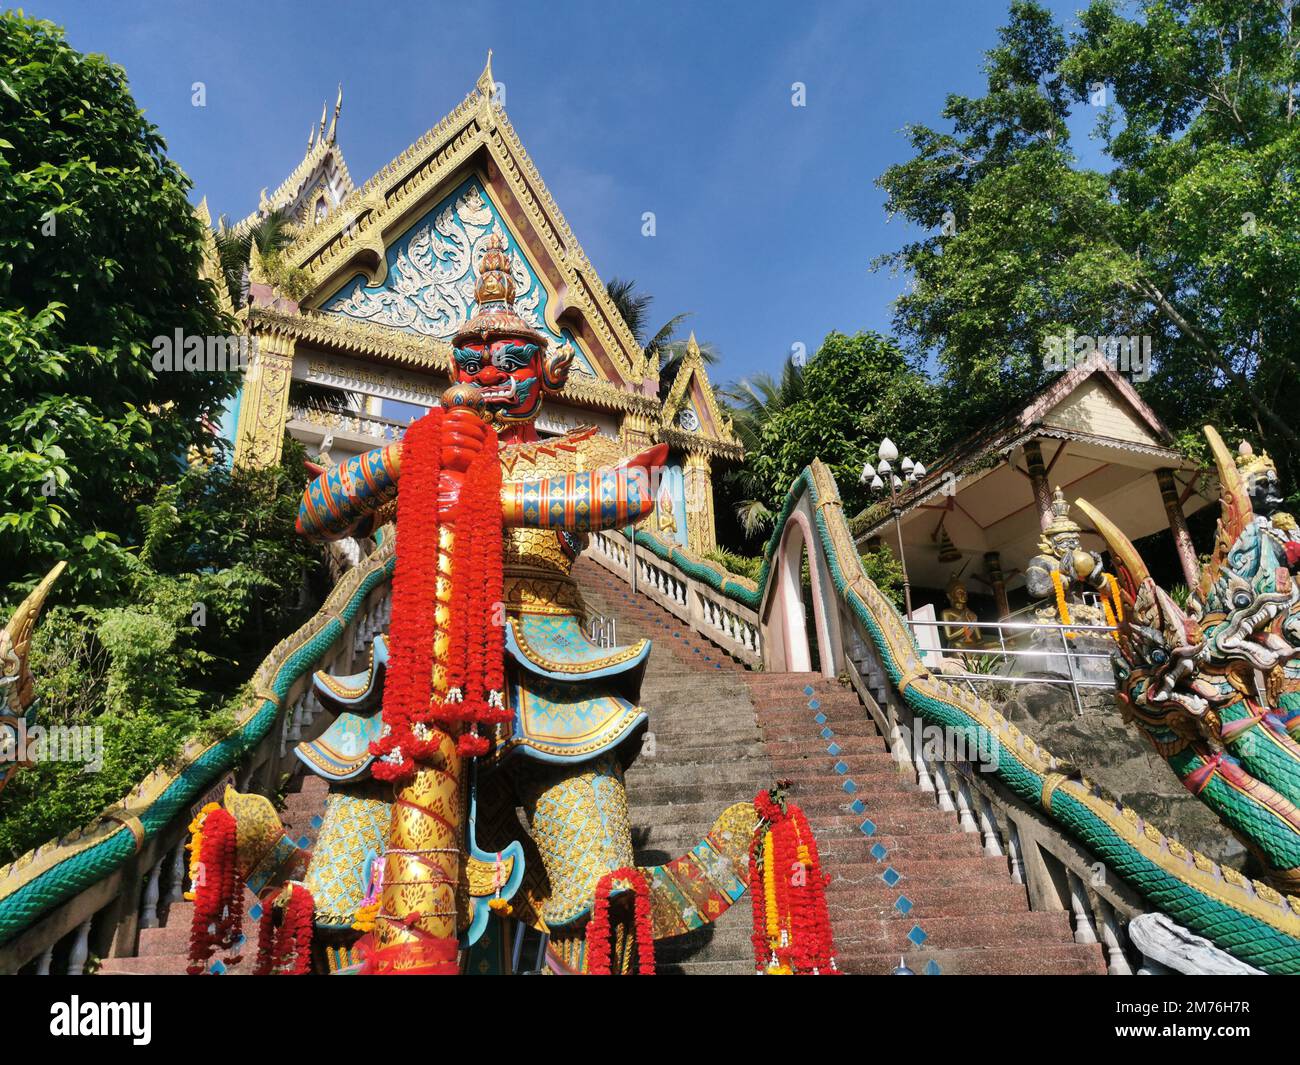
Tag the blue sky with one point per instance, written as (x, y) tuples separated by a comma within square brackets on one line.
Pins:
[(767, 214)]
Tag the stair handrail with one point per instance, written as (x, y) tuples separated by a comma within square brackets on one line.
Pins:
[(717, 604), (1247, 918), (53, 875)]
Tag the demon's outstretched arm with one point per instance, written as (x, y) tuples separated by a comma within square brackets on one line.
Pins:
[(344, 500)]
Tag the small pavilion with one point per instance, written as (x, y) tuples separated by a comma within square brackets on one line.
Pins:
[(980, 511)]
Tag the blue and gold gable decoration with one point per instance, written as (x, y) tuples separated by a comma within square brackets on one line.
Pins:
[(428, 287)]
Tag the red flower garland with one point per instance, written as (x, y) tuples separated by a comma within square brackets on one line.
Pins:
[(219, 895), (804, 944), (476, 640), (410, 732), (599, 962), (286, 950)]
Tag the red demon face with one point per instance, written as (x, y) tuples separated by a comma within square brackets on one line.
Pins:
[(512, 374)]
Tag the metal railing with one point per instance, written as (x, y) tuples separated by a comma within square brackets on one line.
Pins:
[(1007, 654)]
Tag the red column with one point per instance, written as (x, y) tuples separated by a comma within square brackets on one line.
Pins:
[(1178, 526)]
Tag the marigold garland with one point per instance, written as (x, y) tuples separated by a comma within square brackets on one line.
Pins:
[(792, 931), (1062, 607), (1113, 584), (219, 893), (284, 945), (476, 643), (410, 732), (599, 961)]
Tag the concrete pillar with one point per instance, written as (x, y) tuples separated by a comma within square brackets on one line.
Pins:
[(701, 528), (264, 406), (1178, 526), (1038, 479)]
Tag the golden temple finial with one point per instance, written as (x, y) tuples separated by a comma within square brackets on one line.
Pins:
[(324, 110), (494, 285), (692, 346), (486, 84), (311, 137), (494, 294), (334, 122)]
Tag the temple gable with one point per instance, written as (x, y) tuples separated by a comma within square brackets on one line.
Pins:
[(428, 286)]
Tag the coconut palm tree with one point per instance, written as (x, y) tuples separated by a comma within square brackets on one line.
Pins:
[(752, 402), (270, 235), (662, 345)]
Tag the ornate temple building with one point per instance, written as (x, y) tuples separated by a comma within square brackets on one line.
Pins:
[(384, 277)]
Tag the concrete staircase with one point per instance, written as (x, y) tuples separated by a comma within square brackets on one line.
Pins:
[(905, 880), (900, 868)]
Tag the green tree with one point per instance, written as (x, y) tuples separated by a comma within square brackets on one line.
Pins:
[(100, 253), (853, 392), (218, 578), (1191, 237)]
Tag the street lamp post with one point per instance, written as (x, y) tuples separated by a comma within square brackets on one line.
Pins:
[(883, 478)]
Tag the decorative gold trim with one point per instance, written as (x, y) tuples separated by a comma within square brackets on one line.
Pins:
[(395, 193), (130, 821), (625, 654)]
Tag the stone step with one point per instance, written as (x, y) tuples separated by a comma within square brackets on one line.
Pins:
[(1064, 960)]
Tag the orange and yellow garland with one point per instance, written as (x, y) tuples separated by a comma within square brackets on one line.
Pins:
[(792, 930)]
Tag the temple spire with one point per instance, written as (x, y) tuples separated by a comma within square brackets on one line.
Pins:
[(486, 84), (324, 110), (334, 122)]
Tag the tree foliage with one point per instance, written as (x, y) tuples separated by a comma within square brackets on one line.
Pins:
[(100, 252), (1191, 235), (852, 393), (219, 577)]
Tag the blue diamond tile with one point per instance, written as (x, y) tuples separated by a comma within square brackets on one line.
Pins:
[(827, 733), (820, 719), (217, 968), (879, 852), (868, 827), (255, 911), (917, 935), (850, 787), (903, 905), (807, 689), (891, 876), (814, 704), (932, 968), (304, 842), (841, 768), (833, 749), (858, 806), (317, 821)]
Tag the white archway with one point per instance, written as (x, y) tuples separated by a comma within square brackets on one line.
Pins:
[(784, 618)]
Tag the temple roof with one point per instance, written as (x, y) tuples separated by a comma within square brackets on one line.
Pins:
[(691, 416), (1098, 439), (322, 175), (472, 166)]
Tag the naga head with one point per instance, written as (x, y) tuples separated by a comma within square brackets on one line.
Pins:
[(1246, 588), (1160, 650), (499, 353)]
